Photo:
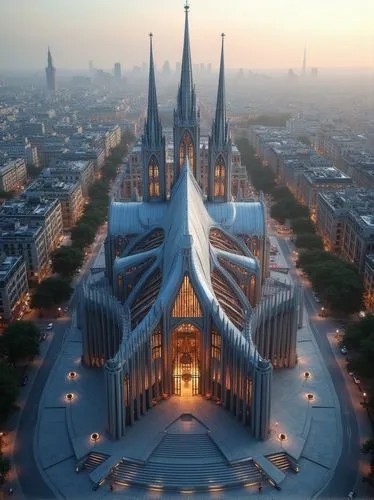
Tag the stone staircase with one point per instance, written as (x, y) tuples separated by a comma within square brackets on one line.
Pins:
[(188, 476), (93, 460), (282, 461)]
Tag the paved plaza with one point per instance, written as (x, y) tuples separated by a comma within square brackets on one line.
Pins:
[(312, 429)]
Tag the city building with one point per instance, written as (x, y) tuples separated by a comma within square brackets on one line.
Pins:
[(69, 195), (36, 212), (20, 148), (81, 171), (344, 220), (13, 287), (318, 179), (185, 307), (369, 282), (117, 71), (50, 73), (13, 175), (26, 241)]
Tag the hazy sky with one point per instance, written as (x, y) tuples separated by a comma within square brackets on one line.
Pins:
[(260, 33)]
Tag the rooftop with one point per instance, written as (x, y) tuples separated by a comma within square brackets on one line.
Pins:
[(23, 207), (320, 174), (6, 265), (46, 184)]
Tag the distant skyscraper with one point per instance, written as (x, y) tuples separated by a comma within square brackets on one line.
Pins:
[(90, 67), (50, 73), (304, 63), (314, 72), (166, 70), (117, 71)]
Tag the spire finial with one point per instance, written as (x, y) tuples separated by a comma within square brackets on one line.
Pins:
[(186, 5), (150, 35)]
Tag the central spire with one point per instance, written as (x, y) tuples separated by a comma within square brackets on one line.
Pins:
[(152, 129), (50, 62), (185, 93), (219, 134)]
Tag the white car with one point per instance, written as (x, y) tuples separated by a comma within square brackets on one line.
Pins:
[(356, 380), (49, 326), (343, 350)]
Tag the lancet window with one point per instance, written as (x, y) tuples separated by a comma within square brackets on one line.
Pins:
[(153, 179), (186, 304), (222, 241), (157, 343), (219, 178), (186, 142), (216, 344)]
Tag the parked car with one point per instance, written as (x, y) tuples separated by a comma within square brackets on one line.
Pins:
[(43, 336), (49, 326), (356, 380), (343, 350)]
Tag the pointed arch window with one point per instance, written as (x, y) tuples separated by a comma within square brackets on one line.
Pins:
[(186, 304), (153, 178), (219, 178), (186, 142)]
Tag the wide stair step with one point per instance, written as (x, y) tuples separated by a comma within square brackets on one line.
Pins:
[(190, 446), (280, 460), (185, 476), (93, 460)]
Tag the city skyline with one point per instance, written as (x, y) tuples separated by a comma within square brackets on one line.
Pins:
[(259, 35)]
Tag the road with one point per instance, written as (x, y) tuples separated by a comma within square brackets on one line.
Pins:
[(346, 473)]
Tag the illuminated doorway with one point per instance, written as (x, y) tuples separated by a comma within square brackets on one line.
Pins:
[(186, 349)]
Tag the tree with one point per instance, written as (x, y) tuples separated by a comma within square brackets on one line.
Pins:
[(82, 235), (20, 340), (51, 292), (66, 260), (288, 208), (4, 468), (6, 195), (99, 190), (281, 193), (359, 331), (8, 391), (302, 225), (309, 241)]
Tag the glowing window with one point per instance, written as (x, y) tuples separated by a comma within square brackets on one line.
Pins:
[(156, 343), (219, 178), (153, 178), (187, 142), (216, 344), (186, 304)]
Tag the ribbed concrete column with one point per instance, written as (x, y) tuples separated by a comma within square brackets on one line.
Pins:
[(261, 399), (114, 395), (300, 307)]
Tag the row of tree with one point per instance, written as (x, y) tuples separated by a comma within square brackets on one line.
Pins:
[(336, 281), (19, 342), (66, 260)]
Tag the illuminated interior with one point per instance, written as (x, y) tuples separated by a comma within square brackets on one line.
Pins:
[(186, 353), (186, 142), (186, 304), (219, 178), (153, 179), (222, 241)]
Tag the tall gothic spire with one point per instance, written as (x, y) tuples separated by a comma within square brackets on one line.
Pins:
[(186, 90), (152, 128), (219, 132)]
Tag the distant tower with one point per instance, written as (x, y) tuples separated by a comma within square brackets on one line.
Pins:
[(304, 63), (90, 67), (50, 73), (117, 71)]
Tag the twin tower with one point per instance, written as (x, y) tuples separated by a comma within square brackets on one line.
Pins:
[(186, 134)]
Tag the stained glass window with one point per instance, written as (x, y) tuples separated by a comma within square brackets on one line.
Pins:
[(186, 304)]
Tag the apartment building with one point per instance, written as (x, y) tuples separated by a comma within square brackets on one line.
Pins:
[(82, 172), (13, 175), (13, 287), (69, 195)]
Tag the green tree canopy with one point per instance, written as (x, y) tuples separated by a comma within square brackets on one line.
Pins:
[(302, 225), (51, 292), (309, 241), (66, 260), (281, 193), (20, 340), (82, 235), (288, 208), (8, 390)]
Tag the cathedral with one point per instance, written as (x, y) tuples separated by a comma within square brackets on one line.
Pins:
[(187, 308)]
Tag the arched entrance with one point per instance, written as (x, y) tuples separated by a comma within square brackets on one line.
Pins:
[(186, 352)]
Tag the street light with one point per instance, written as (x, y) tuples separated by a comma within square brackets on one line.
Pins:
[(306, 375)]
